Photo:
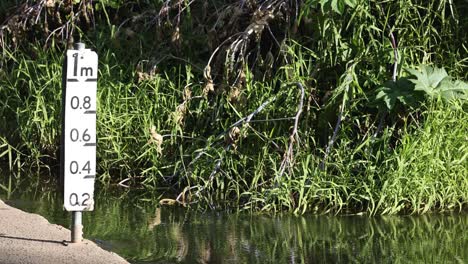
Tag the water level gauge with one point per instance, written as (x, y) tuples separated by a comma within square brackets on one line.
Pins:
[(79, 131)]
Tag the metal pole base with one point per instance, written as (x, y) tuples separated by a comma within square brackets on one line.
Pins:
[(77, 228)]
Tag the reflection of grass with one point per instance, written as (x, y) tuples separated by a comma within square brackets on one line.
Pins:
[(190, 236), (141, 232)]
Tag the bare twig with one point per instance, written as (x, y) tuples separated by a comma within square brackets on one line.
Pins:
[(23, 14), (333, 138), (289, 154), (218, 163), (219, 47), (239, 45), (181, 198), (346, 82), (238, 123), (394, 46), (64, 28), (31, 13), (394, 74), (395, 53), (122, 183)]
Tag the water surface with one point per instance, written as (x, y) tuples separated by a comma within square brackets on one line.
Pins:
[(144, 232)]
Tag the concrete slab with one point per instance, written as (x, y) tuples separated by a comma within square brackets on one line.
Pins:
[(30, 238)]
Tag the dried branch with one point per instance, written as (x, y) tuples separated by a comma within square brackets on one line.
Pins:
[(29, 14), (239, 45), (333, 138), (394, 47), (394, 74), (65, 31), (122, 183), (289, 154), (346, 83), (238, 123), (218, 163)]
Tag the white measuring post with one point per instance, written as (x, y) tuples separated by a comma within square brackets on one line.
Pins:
[(79, 134)]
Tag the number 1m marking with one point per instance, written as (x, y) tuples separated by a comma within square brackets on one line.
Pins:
[(84, 71)]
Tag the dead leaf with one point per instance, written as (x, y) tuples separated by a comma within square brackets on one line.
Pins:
[(157, 139), (179, 114), (142, 76), (176, 35), (187, 93), (234, 94), (232, 137), (209, 87), (167, 201), (50, 3)]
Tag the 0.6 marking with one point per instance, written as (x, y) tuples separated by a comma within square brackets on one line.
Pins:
[(75, 135)]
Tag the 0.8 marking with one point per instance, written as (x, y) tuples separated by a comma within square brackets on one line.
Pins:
[(75, 102)]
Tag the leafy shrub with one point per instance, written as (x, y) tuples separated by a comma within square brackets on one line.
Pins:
[(424, 83)]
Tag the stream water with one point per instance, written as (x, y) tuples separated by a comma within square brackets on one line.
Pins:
[(144, 232)]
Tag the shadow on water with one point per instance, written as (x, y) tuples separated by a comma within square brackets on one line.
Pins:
[(143, 232)]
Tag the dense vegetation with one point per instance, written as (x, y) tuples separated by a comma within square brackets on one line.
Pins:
[(322, 106)]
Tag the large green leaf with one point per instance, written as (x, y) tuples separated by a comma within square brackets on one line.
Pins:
[(453, 90), (337, 6), (351, 3), (402, 90), (427, 79), (435, 82)]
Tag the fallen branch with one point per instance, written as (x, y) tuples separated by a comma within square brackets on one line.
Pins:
[(394, 74), (345, 84), (29, 14), (240, 122), (218, 163), (333, 138), (122, 183), (289, 154)]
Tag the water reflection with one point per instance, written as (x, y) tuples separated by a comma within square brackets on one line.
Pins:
[(145, 233)]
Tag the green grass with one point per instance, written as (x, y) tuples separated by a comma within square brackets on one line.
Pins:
[(162, 129)]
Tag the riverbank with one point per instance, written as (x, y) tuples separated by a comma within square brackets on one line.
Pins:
[(30, 238), (325, 112)]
